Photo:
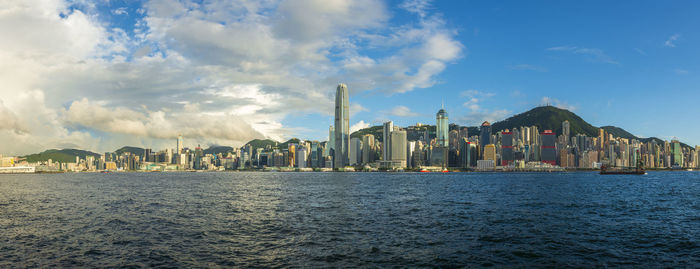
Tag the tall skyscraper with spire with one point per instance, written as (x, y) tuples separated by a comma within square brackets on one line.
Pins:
[(342, 126), (442, 128)]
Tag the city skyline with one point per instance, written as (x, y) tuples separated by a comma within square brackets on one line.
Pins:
[(141, 73)]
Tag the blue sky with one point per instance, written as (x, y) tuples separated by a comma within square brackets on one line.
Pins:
[(631, 64), (100, 75)]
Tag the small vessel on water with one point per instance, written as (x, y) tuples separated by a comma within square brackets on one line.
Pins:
[(637, 170)]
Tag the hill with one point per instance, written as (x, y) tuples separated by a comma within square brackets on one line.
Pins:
[(547, 118), (218, 149), (290, 141), (263, 143), (376, 131), (60, 155), (619, 132), (544, 117), (133, 150)]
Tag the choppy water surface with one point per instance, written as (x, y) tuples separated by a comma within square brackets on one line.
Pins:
[(350, 220)]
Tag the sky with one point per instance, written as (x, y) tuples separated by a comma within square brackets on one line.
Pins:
[(99, 75)]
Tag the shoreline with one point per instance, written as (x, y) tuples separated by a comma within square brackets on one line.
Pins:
[(559, 170)]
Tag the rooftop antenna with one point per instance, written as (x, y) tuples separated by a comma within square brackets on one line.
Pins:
[(443, 103)]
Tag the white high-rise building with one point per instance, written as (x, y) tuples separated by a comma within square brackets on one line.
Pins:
[(342, 126), (386, 148), (399, 147)]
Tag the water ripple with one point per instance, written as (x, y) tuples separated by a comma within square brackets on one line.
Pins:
[(136, 220)]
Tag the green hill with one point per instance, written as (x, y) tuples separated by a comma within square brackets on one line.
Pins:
[(544, 117), (218, 149), (133, 150), (263, 143), (290, 141), (547, 118), (618, 132), (60, 155), (373, 130)]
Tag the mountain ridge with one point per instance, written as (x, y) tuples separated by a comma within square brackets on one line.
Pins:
[(545, 118)]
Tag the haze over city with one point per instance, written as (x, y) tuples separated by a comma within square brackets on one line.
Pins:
[(101, 75)]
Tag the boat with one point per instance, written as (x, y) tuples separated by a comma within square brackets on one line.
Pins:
[(637, 170)]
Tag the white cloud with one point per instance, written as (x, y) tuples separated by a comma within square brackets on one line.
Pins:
[(356, 108), (217, 71), (120, 11), (548, 101), (592, 54), (527, 67), (401, 111), (359, 125), (10, 121), (477, 114), (159, 124), (473, 98), (475, 118), (671, 41), (640, 51), (419, 7), (681, 71)]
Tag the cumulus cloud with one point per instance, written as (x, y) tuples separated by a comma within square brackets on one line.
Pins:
[(359, 125), (159, 124), (218, 71), (10, 121)]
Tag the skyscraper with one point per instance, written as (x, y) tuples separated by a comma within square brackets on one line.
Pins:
[(506, 148), (342, 126), (355, 151), (485, 135), (180, 141), (386, 148), (442, 129), (549, 151), (399, 146), (565, 129), (301, 157), (367, 148), (677, 153), (490, 152), (331, 141)]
